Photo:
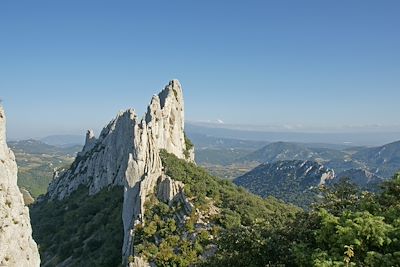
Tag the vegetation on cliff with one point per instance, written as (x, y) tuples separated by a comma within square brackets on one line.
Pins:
[(220, 208), (80, 230)]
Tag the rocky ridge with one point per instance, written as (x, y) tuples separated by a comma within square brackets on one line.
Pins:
[(17, 248), (127, 153)]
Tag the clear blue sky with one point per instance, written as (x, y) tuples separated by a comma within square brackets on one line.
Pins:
[(70, 65)]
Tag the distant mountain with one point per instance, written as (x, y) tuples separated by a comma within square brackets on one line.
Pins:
[(64, 140), (221, 156), (32, 146), (293, 181), (204, 141), (37, 161), (361, 177), (276, 134), (282, 169), (221, 151), (383, 160), (293, 151)]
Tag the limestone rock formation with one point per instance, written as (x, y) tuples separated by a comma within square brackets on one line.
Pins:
[(28, 199), (127, 153), (139, 262), (170, 191), (90, 141), (17, 248)]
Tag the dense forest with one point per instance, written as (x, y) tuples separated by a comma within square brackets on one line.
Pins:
[(81, 230)]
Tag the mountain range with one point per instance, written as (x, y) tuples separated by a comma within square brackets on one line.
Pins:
[(281, 170), (382, 161)]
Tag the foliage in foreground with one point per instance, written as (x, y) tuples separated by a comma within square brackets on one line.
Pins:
[(80, 230), (347, 228)]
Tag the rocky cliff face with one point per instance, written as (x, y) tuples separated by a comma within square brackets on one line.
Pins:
[(127, 153), (17, 247)]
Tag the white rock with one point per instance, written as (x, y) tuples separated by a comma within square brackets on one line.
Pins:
[(17, 247), (168, 189), (127, 153)]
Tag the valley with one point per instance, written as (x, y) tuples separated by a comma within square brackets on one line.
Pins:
[(37, 162)]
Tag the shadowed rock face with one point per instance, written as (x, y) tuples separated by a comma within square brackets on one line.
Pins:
[(127, 153), (17, 247)]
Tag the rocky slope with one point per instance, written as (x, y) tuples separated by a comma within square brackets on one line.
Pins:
[(363, 178), (127, 154), (17, 248), (289, 180)]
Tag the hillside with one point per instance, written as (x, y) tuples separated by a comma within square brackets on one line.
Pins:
[(219, 207), (82, 230), (383, 161), (363, 178), (293, 181)]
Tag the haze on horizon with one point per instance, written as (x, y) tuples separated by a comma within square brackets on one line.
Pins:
[(314, 66)]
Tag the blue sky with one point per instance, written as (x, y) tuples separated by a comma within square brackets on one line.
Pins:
[(305, 65)]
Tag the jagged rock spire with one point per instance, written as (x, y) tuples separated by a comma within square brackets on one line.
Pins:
[(90, 141), (127, 153), (17, 247)]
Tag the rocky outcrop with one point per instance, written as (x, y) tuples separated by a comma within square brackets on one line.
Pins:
[(170, 191), (17, 247), (127, 153), (28, 199), (139, 262), (90, 142)]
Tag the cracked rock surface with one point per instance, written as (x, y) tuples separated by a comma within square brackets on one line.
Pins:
[(17, 248)]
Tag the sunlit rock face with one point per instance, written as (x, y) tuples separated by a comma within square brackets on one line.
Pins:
[(127, 153), (17, 248)]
